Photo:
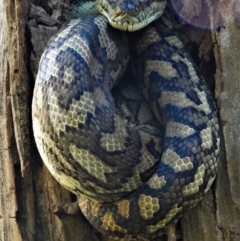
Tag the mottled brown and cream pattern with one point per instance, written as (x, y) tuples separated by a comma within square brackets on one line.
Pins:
[(138, 154)]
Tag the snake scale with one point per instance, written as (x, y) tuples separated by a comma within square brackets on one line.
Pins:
[(132, 180)]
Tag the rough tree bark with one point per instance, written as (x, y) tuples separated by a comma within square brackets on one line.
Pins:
[(29, 195)]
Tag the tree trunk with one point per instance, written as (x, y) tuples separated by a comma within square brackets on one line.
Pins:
[(29, 194)]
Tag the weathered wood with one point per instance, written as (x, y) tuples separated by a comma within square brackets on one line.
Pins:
[(8, 204), (228, 93)]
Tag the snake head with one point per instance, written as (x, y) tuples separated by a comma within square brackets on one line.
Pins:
[(131, 15)]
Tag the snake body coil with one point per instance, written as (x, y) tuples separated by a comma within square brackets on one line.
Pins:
[(133, 181)]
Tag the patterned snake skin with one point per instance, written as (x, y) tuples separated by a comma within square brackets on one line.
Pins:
[(132, 179)]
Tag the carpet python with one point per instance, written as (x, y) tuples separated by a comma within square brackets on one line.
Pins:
[(132, 178)]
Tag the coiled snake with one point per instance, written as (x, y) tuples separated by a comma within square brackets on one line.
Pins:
[(132, 179)]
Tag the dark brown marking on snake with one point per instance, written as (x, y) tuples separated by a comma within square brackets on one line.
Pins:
[(79, 132)]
